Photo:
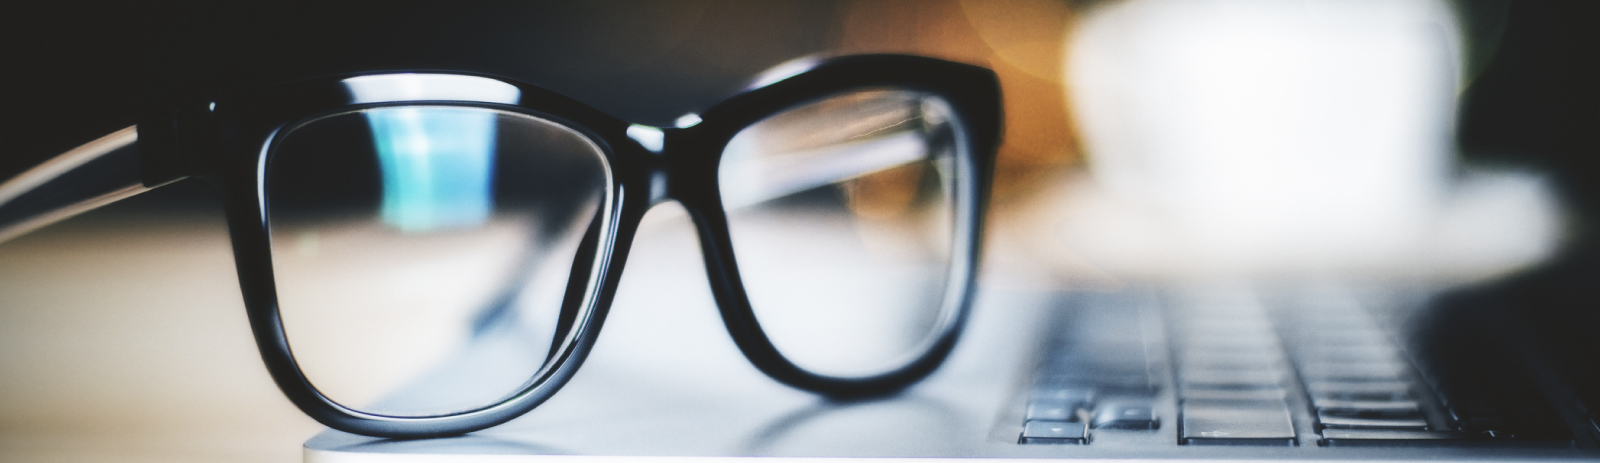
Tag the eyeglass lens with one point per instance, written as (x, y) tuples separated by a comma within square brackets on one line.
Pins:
[(841, 215), (422, 253)]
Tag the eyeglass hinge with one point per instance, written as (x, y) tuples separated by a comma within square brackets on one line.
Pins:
[(174, 144)]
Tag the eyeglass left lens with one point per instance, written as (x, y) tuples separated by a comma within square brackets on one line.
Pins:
[(422, 254)]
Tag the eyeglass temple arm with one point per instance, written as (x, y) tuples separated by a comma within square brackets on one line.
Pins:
[(92, 175)]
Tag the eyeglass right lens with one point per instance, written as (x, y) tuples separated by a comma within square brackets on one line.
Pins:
[(422, 253), (842, 217)]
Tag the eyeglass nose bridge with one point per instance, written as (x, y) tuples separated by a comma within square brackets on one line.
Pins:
[(654, 165), (675, 163)]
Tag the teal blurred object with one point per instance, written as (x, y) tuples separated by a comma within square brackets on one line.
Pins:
[(437, 163)]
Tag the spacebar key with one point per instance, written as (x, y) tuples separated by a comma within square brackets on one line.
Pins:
[(1229, 422)]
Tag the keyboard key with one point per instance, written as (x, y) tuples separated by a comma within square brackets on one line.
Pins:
[(1125, 415), (1231, 340), (1348, 371), (1113, 367), (1210, 422), (1337, 339), (1053, 432), (1080, 395), (1337, 421), (1354, 353), (1368, 390), (1386, 437), (1091, 380), (1367, 407), (1230, 324), (1259, 394), (1232, 379), (1132, 389), (1192, 359), (1053, 410)]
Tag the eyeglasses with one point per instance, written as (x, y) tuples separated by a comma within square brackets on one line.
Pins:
[(427, 254)]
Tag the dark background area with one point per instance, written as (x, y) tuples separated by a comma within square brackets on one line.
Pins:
[(75, 72), (1537, 102), (1534, 104)]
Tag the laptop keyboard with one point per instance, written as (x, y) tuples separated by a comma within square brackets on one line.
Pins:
[(1232, 376), (1237, 368)]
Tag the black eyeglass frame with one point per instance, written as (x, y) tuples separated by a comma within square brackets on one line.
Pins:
[(229, 140)]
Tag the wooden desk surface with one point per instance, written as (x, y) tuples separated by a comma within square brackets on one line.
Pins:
[(125, 339)]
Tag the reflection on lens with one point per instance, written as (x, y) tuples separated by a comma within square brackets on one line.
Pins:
[(841, 213), (436, 166), (421, 253)]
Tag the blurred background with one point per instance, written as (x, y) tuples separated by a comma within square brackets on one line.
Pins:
[(1433, 142)]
